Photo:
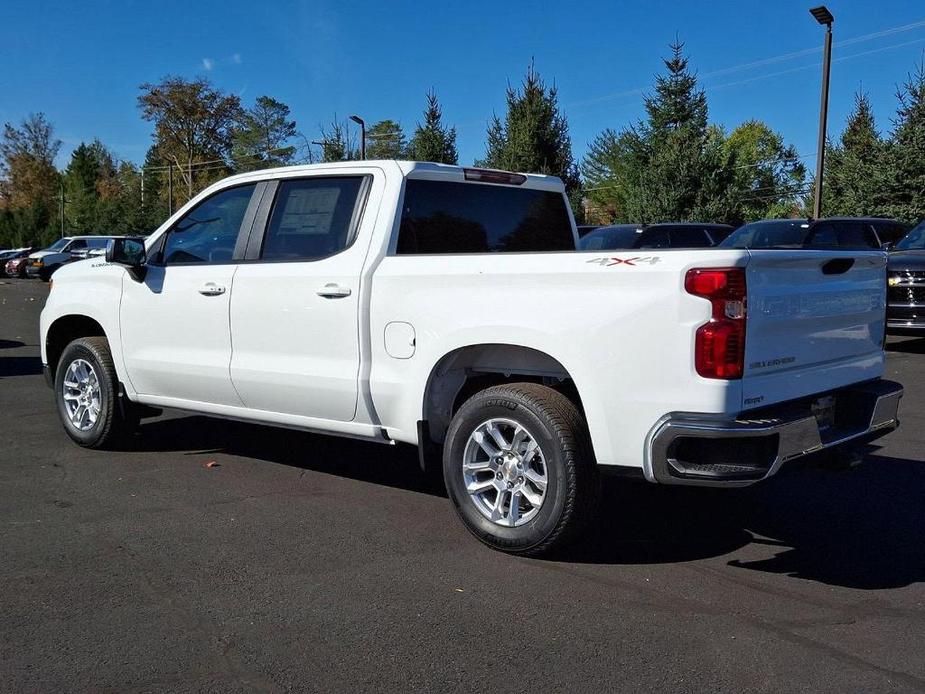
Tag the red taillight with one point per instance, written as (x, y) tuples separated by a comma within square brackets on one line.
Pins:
[(719, 347)]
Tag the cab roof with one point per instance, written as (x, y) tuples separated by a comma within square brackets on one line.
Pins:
[(409, 169)]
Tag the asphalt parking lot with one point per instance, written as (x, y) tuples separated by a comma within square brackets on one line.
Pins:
[(319, 564)]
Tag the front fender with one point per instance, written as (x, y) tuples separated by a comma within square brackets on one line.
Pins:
[(91, 288)]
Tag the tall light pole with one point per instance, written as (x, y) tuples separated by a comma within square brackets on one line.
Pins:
[(823, 16), (359, 121)]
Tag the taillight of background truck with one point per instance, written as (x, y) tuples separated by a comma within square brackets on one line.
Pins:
[(719, 348)]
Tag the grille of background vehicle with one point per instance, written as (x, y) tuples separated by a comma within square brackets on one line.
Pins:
[(907, 296)]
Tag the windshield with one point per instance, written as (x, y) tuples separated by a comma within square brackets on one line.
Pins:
[(914, 240), (58, 245), (785, 232), (610, 238)]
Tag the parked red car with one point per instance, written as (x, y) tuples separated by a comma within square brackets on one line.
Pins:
[(15, 265)]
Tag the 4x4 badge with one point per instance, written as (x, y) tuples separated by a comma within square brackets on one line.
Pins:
[(610, 262)]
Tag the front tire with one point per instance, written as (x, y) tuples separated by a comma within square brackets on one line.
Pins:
[(86, 391), (518, 468)]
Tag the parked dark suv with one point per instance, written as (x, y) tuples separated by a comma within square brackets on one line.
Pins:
[(663, 235), (905, 313), (827, 233), (855, 232)]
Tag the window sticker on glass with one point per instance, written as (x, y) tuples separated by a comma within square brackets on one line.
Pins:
[(309, 211)]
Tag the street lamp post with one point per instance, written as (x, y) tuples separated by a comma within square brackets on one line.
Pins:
[(359, 121), (824, 17)]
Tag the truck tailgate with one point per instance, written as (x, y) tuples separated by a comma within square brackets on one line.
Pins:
[(816, 322)]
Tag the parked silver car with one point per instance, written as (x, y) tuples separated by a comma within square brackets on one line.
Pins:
[(42, 264)]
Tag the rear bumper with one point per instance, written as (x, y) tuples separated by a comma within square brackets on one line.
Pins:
[(691, 449)]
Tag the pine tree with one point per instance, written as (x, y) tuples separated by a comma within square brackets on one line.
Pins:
[(80, 188), (678, 103), (664, 168), (432, 141), (610, 171), (385, 140), (533, 136), (675, 165), (262, 137), (91, 190), (671, 184), (854, 168), (906, 154)]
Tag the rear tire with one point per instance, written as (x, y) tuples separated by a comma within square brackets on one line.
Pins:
[(87, 392), (518, 467)]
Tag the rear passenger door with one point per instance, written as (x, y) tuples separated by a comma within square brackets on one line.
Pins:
[(295, 309)]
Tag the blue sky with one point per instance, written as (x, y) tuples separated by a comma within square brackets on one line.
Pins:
[(81, 62)]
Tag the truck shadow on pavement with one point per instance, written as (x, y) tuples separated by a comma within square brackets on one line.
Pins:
[(20, 366), (911, 346), (862, 528), (393, 466)]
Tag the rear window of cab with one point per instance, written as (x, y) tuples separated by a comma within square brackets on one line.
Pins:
[(440, 217)]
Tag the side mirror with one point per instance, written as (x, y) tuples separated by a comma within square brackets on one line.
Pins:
[(887, 246), (129, 252)]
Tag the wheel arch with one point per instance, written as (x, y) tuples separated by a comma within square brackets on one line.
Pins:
[(64, 330), (465, 370)]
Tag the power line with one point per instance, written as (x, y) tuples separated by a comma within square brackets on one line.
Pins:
[(771, 60)]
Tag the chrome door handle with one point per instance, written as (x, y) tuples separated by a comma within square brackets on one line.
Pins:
[(211, 289), (333, 291)]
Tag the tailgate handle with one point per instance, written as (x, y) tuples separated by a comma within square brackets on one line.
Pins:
[(837, 266)]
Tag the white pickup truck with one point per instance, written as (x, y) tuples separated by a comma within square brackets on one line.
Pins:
[(447, 308)]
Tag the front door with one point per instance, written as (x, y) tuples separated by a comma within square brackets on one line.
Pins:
[(176, 339)]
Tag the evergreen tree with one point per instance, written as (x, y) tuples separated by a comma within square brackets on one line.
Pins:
[(154, 210), (670, 185), (855, 176), (91, 190), (386, 140), (608, 171), (261, 139), (80, 188), (533, 136), (905, 161), (432, 141), (675, 166)]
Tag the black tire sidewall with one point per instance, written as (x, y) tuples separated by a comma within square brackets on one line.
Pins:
[(90, 437), (538, 529)]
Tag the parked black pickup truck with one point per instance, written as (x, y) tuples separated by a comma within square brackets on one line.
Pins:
[(905, 313)]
